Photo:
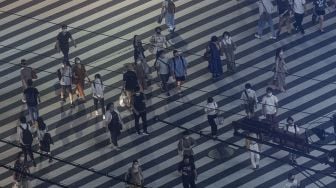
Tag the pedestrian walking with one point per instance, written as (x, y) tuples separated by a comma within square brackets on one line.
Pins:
[(211, 109), (228, 47), (266, 8), (98, 94), (178, 65), (249, 100), (254, 154), (21, 171), (66, 82), (157, 41), (32, 98), (188, 172), (62, 42), (284, 11), (215, 62), (185, 145), (292, 182), (26, 73), (130, 83), (114, 124), (139, 111), (299, 8), (168, 10), (294, 129), (25, 138), (139, 55), (319, 11), (44, 139), (134, 177), (163, 68), (270, 105), (280, 71), (141, 76), (79, 74)]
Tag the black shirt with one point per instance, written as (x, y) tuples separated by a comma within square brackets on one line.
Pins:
[(283, 5), (63, 39), (187, 169), (31, 96), (131, 80), (139, 102)]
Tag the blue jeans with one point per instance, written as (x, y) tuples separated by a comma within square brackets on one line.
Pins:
[(262, 22), (33, 112), (169, 19)]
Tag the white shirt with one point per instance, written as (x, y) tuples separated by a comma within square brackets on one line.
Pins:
[(299, 6), (97, 89), (269, 103), (163, 65), (251, 94), (211, 108), (291, 129)]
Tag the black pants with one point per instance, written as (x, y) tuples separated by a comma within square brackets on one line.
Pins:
[(144, 121), (164, 79), (188, 182), (101, 101), (114, 137), (212, 123), (27, 150), (65, 51), (298, 22)]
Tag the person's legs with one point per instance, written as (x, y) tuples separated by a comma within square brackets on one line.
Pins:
[(185, 182), (114, 138), (31, 113), (95, 102), (30, 153), (282, 20), (321, 22), (211, 121), (144, 121), (102, 104), (65, 51), (69, 90), (270, 24), (80, 88), (299, 24), (35, 113), (261, 25), (253, 159), (136, 122)]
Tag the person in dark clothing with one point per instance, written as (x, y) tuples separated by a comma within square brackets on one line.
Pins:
[(26, 139), (62, 42), (188, 172), (114, 124), (299, 9), (319, 12), (139, 111), (32, 97), (211, 110), (284, 10), (21, 170), (45, 145), (130, 83)]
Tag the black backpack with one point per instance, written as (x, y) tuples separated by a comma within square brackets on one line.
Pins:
[(31, 97), (27, 137), (115, 122)]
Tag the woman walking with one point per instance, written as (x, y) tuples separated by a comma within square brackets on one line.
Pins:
[(79, 75), (228, 48), (280, 71), (134, 176), (163, 69), (211, 110), (98, 94), (139, 55), (215, 63), (21, 172), (114, 124), (284, 9), (66, 81)]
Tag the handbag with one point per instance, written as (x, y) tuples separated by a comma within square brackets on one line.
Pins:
[(123, 99)]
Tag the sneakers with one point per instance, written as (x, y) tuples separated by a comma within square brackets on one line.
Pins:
[(257, 36), (145, 133), (104, 117)]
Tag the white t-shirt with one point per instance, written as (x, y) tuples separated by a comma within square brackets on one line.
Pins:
[(299, 6), (269, 103), (211, 108)]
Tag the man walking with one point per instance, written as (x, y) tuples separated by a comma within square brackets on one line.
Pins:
[(299, 8), (32, 97), (178, 65), (266, 9), (188, 172), (139, 111), (269, 105), (62, 42), (25, 138), (249, 100), (168, 10)]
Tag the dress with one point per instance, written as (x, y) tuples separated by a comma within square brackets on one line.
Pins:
[(215, 63), (279, 77), (228, 47)]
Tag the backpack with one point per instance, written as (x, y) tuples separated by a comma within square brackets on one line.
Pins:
[(115, 122), (171, 7), (31, 97), (27, 137)]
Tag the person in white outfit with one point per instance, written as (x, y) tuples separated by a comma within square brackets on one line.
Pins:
[(66, 81), (211, 110), (254, 146), (98, 94)]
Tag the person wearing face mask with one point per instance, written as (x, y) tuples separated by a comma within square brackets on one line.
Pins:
[(269, 105), (162, 66), (114, 124), (280, 71), (185, 145), (139, 111), (294, 129), (157, 41), (79, 74), (62, 42), (249, 100), (134, 176), (228, 47), (21, 172), (188, 172), (178, 65)]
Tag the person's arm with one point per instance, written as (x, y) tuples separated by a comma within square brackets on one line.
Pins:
[(195, 172), (263, 106), (73, 41), (38, 96), (57, 47), (304, 6)]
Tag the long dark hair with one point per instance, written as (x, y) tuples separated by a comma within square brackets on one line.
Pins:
[(99, 77)]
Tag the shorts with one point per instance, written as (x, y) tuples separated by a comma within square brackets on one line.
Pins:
[(180, 78), (320, 12), (66, 88)]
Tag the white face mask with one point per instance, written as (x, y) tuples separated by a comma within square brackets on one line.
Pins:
[(269, 94)]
